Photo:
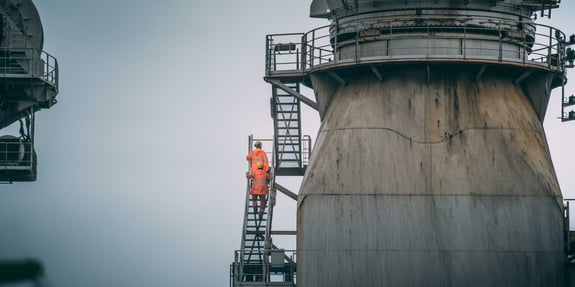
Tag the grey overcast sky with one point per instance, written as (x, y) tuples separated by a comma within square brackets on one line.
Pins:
[(141, 163)]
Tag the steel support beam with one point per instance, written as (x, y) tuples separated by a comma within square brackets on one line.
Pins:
[(285, 191), (336, 77), (523, 76), (284, 232), (301, 97), (480, 73), (376, 72)]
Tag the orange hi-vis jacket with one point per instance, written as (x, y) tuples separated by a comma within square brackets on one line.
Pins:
[(260, 180), (256, 156)]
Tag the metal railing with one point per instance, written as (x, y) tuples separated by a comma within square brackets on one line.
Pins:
[(28, 63), (17, 160), (15, 154), (285, 55), (471, 39), (280, 270), (348, 7)]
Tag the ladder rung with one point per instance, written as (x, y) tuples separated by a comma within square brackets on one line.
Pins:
[(287, 112)]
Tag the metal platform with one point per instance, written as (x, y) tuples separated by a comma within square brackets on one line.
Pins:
[(17, 159)]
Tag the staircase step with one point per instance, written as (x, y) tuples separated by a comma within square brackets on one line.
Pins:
[(263, 219), (252, 227), (255, 227)]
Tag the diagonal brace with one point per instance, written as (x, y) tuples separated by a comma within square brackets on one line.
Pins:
[(285, 191), (301, 97), (522, 77)]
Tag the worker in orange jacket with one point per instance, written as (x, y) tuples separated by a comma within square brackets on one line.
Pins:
[(260, 180), (256, 156)]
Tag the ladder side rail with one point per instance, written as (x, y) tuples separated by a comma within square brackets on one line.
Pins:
[(270, 202), (275, 113), (298, 153), (294, 111), (296, 139), (247, 206), (267, 235), (278, 116)]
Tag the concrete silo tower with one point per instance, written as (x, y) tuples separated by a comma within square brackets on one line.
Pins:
[(431, 166)]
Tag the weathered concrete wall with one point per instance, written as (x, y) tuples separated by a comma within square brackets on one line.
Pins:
[(440, 183)]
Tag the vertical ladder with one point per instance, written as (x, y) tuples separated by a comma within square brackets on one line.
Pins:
[(286, 113)]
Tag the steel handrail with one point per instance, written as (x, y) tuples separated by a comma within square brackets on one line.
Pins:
[(29, 63), (352, 9), (289, 256), (318, 47), (16, 154)]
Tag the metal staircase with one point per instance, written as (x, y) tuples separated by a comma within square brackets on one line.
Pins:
[(285, 72), (289, 143), (259, 262), (252, 254)]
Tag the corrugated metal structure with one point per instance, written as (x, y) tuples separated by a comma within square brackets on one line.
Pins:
[(431, 166)]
